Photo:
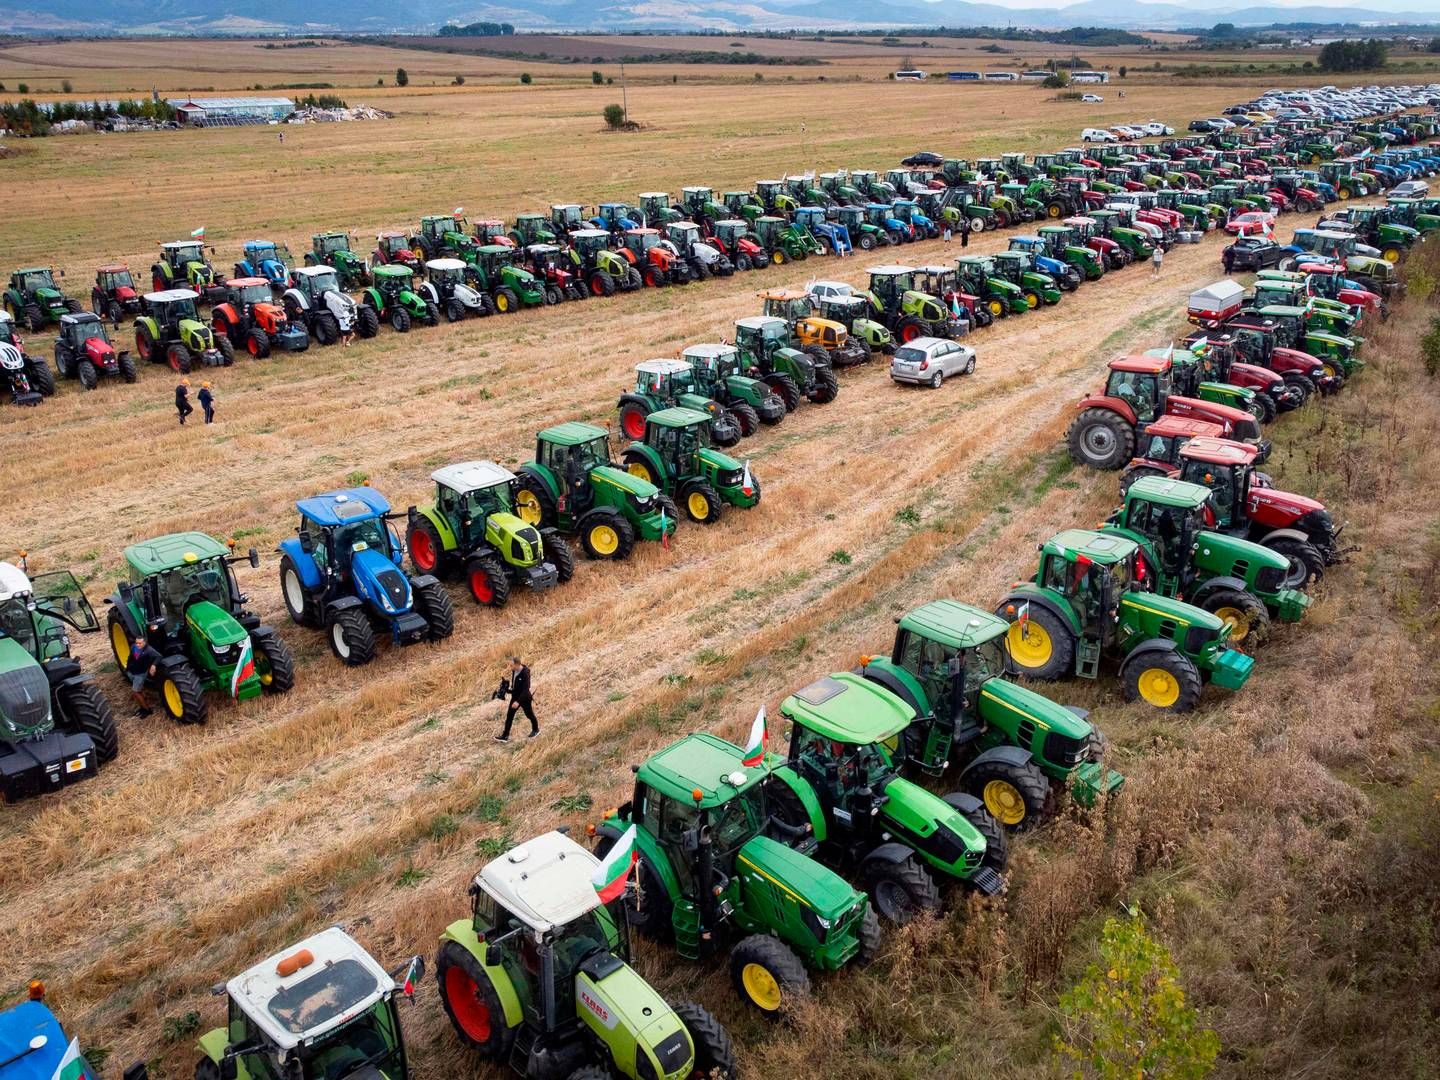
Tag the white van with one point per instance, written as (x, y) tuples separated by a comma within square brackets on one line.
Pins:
[(1093, 135)]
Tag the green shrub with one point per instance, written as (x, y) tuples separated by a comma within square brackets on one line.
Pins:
[(614, 116)]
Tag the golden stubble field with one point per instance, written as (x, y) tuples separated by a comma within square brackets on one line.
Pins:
[(360, 797)]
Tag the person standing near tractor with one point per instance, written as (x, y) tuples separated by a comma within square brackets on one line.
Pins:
[(520, 700), (1156, 260), (182, 400), (964, 234), (207, 402), (139, 667)]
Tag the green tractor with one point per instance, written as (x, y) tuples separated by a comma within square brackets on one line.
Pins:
[(183, 265), (333, 249), (906, 311), (1018, 268), (393, 297), (863, 233), (809, 328), (1240, 581), (169, 331), (771, 195), (656, 211), (56, 728), (783, 241), (181, 594), (498, 272), (839, 788), (538, 978), (1091, 598), (34, 296), (573, 486), (764, 346), (853, 313), (977, 275), (741, 205), (473, 528), (717, 372), (531, 229), (712, 877), (676, 456), (1064, 243), (440, 236), (1133, 241), (661, 384)]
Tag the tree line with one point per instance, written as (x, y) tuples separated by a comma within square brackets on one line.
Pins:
[(477, 29), (1348, 55), (28, 118)]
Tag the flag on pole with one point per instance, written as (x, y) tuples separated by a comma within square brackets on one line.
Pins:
[(759, 740), (244, 667), (198, 234), (1023, 618), (458, 211), (72, 1066), (610, 876), (664, 528), (955, 306), (407, 986), (747, 485)]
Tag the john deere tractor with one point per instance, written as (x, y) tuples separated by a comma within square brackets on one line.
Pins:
[(862, 233), (677, 457), (717, 373), (183, 265), (170, 332), (333, 249), (55, 726), (602, 270), (656, 211), (840, 786), (1015, 750), (498, 273), (1091, 600), (265, 259), (1063, 243), (343, 571), (906, 311), (811, 330), (538, 978), (1018, 268), (784, 242), (660, 384), (530, 229), (440, 236), (979, 275), (573, 486), (764, 345), (251, 318), (712, 877), (180, 593), (472, 528), (393, 297), (33, 296)]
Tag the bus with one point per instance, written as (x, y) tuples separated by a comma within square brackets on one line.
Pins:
[(910, 75), (1001, 76), (963, 76), (1089, 76)]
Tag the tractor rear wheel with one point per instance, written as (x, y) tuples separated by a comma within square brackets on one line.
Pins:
[(85, 710), (42, 376), (126, 363), (900, 890), (766, 972), (1251, 621), (297, 597), (400, 319), (557, 551), (1043, 648), (636, 464), (274, 663), (714, 1053), (327, 329), (427, 550), (352, 638), (35, 317), (505, 300), (997, 842), (179, 357), (534, 504), (746, 417), (471, 1002), (367, 321), (632, 420), (1101, 439), (785, 386), (1130, 475), (432, 313), (702, 504), (606, 534), (1306, 563), (257, 343), (743, 263), (489, 584), (1017, 796), (114, 313), (180, 690), (1163, 678), (827, 386), (433, 603), (454, 309)]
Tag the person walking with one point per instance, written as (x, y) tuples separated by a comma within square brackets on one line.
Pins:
[(1156, 260), (139, 667), (182, 400), (964, 234), (1228, 258), (207, 402), (520, 700), (947, 233)]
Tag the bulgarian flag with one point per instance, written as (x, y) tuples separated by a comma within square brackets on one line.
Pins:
[(73, 1066), (408, 986), (747, 485), (758, 742), (610, 876), (664, 529), (458, 211), (197, 234), (244, 667)]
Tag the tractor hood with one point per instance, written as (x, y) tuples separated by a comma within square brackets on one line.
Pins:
[(380, 581), (24, 693), (718, 460), (194, 328), (1286, 501), (1003, 286), (821, 890), (214, 624), (625, 481), (1261, 375), (509, 527), (99, 351), (1218, 551), (1165, 607), (49, 297), (125, 292), (1004, 704), (610, 994), (936, 826)]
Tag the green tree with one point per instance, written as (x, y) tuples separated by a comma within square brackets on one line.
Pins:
[(596, 79), (525, 78), (614, 116), (66, 88), (1434, 45), (1127, 1018), (459, 81), (1124, 71), (402, 77)]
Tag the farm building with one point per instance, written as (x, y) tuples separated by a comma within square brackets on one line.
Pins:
[(215, 112)]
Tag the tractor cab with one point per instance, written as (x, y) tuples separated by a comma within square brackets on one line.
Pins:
[(473, 495), (567, 217), (530, 229), (322, 1009), (445, 274), (1225, 468), (489, 231), (787, 304), (640, 242), (313, 282), (615, 216), (391, 281), (655, 209), (183, 261), (771, 195), (1144, 383), (326, 245), (695, 199), (168, 577), (436, 229), (116, 281), (394, 248), (347, 535), (78, 331), (572, 447), (742, 204), (246, 291), (664, 379), (889, 284), (1172, 514), (265, 259), (172, 307), (587, 243)]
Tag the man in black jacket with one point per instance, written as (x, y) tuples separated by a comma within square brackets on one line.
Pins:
[(140, 667), (520, 701)]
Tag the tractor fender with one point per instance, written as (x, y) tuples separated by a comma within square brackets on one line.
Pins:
[(462, 933), (294, 298), (889, 678), (442, 526), (1110, 404), (889, 852), (1041, 598), (543, 474), (964, 802), (213, 1045), (127, 615), (149, 324), (651, 458), (1285, 534), (659, 862), (808, 799), (1215, 584), (1005, 754), (423, 581), (342, 603), (640, 400), (372, 297), (427, 291), (1152, 645), (305, 564)]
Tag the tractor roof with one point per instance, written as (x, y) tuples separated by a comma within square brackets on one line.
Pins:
[(759, 322), (848, 708), (783, 294), (391, 270), (973, 260), (1283, 310), (1219, 451), (260, 243), (654, 194), (34, 270), (79, 318), (708, 350), (32, 1042), (952, 623), (388, 233), (1169, 425), (245, 282), (934, 268), (177, 549), (695, 187), (1163, 491), (678, 417), (541, 249), (168, 296), (445, 264), (1104, 548), (642, 232), (545, 882), (313, 271), (572, 433), (699, 762), (340, 982), (530, 216), (889, 270), (113, 268), (472, 475), (13, 582), (732, 222), (564, 206), (175, 245), (1141, 365), (579, 233), (663, 366), (495, 249), (341, 507)]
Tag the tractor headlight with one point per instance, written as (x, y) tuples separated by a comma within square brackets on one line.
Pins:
[(223, 653), (730, 478), (644, 502), (819, 927)]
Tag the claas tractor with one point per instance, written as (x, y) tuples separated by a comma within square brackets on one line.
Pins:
[(660, 384), (317, 302), (833, 238), (393, 296), (32, 295), (764, 345), (333, 249), (704, 260), (1018, 268), (265, 259), (393, 249), (602, 270), (565, 218), (943, 283), (773, 198), (1243, 504), (812, 331), (549, 265), (114, 294), (169, 331), (440, 235), (717, 373), (447, 286), (343, 571), (538, 978), (979, 275), (22, 375), (656, 211), (56, 728), (83, 351), (866, 335), (251, 319), (741, 204), (181, 595), (838, 787), (322, 1008), (183, 265), (573, 486), (734, 238), (1139, 390), (1234, 578), (906, 311), (530, 229), (1063, 247), (1092, 598), (1016, 751), (472, 529), (657, 264), (713, 877), (676, 456)]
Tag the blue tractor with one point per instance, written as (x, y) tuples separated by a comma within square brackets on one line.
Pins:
[(883, 215), (833, 237), (615, 217), (33, 1045), (1066, 276), (343, 571), (265, 259)]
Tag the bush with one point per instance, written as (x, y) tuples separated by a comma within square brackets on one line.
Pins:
[(1056, 80), (24, 88), (66, 88), (402, 77), (459, 81), (614, 116), (596, 79), (1353, 55), (1124, 71), (1430, 349), (525, 78)]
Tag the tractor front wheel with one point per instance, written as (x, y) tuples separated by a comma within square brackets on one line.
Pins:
[(400, 319), (866, 242), (900, 890), (367, 321), (352, 638), (702, 504), (274, 663), (181, 692), (506, 301), (785, 386), (1101, 439), (257, 343), (488, 582), (126, 363), (179, 357), (1041, 647), (601, 284), (1306, 563), (827, 386), (997, 841), (1017, 796), (557, 551), (747, 417), (714, 1053), (1250, 622), (1301, 383), (454, 310), (1163, 678), (471, 1002), (327, 329), (427, 550), (606, 534), (743, 263), (85, 710), (766, 972), (433, 603)]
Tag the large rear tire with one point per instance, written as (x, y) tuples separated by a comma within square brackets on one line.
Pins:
[(297, 598), (785, 386), (85, 710), (1163, 678), (1043, 649), (746, 417), (472, 1003), (534, 503), (1101, 439), (427, 550), (766, 973), (827, 386)]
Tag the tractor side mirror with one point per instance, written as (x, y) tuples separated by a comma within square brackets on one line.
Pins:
[(690, 841), (307, 544), (254, 557), (229, 1067)]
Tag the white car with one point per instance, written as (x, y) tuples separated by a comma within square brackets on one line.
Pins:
[(1091, 99), (827, 290), (926, 361), (1154, 127), (1125, 131), (1093, 135)]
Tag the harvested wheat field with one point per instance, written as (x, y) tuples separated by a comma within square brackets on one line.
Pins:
[(1280, 841)]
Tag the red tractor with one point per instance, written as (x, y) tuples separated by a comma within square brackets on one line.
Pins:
[(491, 231), (1328, 280), (1138, 391), (732, 236), (393, 248), (1157, 450), (1255, 341), (114, 294), (547, 262), (942, 282), (250, 318), (83, 351)]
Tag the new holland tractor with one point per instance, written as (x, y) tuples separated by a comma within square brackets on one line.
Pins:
[(32, 295), (393, 296), (170, 331), (472, 529), (539, 978), (764, 346), (676, 456), (342, 570), (718, 374), (317, 302), (56, 728), (1092, 600), (333, 249), (265, 259), (250, 318), (663, 383), (83, 351), (573, 486), (180, 593), (712, 876), (183, 265)]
